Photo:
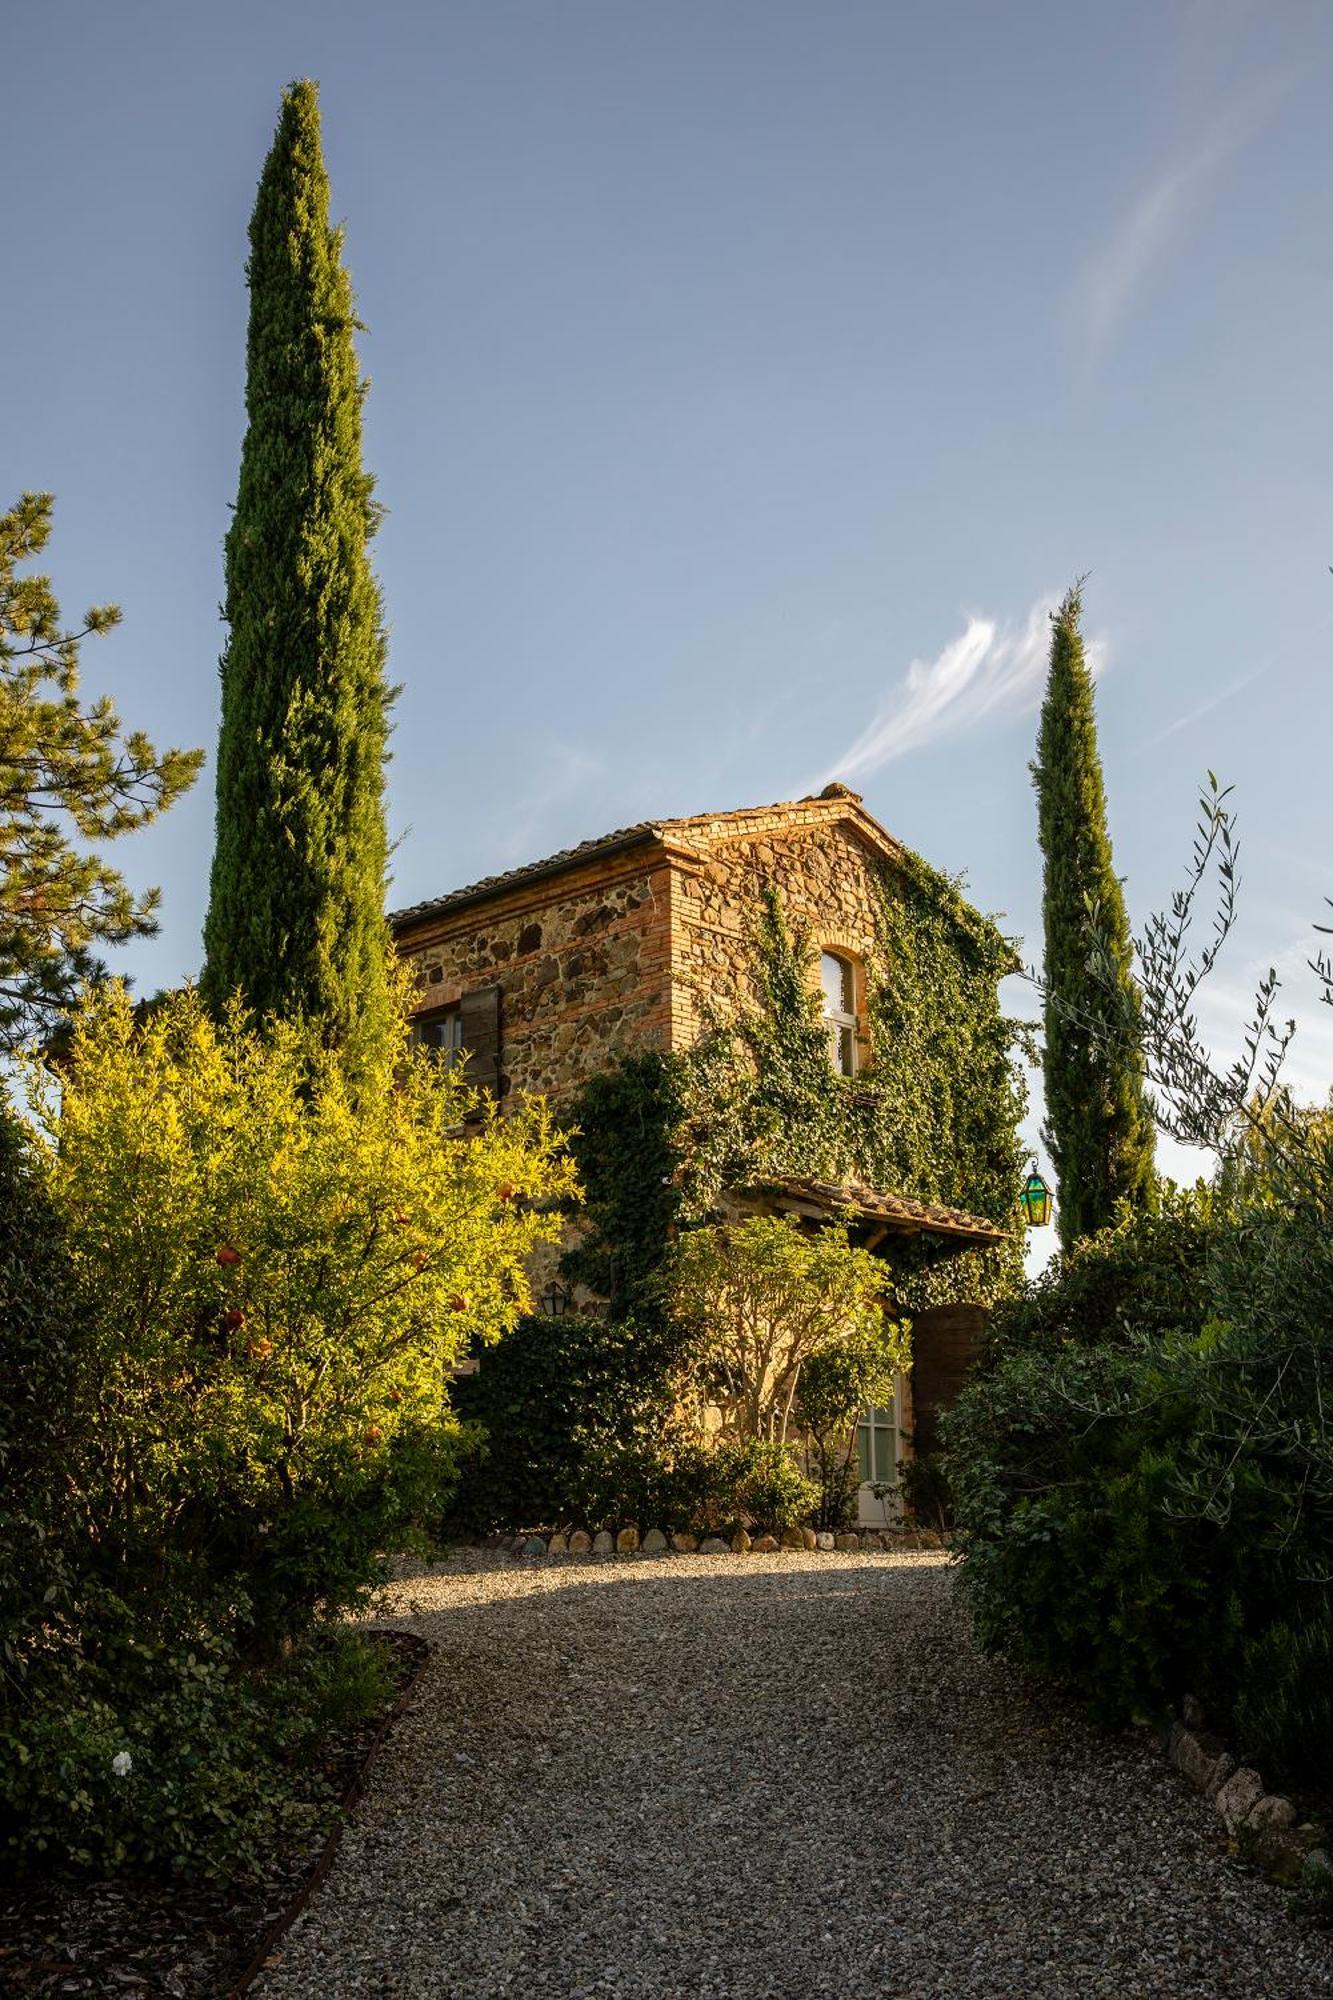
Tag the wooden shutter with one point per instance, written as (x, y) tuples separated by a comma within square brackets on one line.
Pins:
[(481, 1037)]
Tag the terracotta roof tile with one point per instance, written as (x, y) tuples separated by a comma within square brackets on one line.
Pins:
[(899, 1211), (554, 864), (645, 831)]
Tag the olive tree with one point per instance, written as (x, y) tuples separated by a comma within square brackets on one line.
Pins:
[(762, 1298)]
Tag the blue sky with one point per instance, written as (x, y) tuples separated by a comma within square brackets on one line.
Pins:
[(747, 378)]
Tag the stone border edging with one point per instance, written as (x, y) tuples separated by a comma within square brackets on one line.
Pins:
[(627, 1542), (282, 1923), (1263, 1823)]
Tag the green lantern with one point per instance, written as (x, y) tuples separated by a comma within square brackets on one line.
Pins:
[(1036, 1199)]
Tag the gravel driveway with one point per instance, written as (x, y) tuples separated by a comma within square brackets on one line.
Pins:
[(765, 1776)]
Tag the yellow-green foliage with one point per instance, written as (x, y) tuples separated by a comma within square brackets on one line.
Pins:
[(762, 1298), (279, 1265)]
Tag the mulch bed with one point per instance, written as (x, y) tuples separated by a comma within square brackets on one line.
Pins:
[(191, 1942)]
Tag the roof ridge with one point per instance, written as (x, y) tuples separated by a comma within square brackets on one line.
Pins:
[(610, 843)]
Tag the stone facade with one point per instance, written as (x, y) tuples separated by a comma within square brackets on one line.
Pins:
[(625, 943), (620, 945), (580, 961)]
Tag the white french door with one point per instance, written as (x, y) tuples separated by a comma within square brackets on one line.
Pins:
[(877, 1454)]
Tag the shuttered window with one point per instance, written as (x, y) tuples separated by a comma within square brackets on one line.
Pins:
[(472, 1027), (441, 1032), (480, 1013)]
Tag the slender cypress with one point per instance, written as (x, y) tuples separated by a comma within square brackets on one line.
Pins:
[(1098, 1125), (296, 906)]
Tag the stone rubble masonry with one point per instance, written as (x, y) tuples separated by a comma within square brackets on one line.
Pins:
[(656, 1542), (1264, 1823), (628, 950)]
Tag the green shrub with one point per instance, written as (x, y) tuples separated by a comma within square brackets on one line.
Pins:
[(169, 1754), (772, 1490), (836, 1384), (1147, 1275), (548, 1393), (46, 1413), (761, 1299), (1060, 1471), (234, 1275), (668, 1476), (924, 1484), (276, 1258), (1148, 1510), (1282, 1709)]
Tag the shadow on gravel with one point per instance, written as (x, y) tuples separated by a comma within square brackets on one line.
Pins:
[(761, 1778)]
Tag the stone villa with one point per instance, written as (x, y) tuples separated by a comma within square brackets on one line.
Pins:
[(548, 972)]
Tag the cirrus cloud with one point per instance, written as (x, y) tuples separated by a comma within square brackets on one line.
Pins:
[(989, 671)]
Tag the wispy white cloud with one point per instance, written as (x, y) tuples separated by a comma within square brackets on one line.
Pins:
[(990, 670), (1116, 272), (1194, 715)]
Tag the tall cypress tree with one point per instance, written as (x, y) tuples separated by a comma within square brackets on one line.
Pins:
[(1098, 1125), (296, 905)]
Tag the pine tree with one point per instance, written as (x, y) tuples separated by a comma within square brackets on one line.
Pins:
[(1098, 1125), (70, 779), (296, 907)]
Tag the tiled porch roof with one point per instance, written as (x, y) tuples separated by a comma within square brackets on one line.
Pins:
[(897, 1212)]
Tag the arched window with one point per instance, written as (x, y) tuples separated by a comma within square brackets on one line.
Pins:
[(838, 979)]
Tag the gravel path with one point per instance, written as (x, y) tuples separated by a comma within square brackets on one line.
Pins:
[(765, 1777)]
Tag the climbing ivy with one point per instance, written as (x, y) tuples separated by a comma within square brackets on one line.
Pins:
[(933, 1114), (660, 1139), (624, 1144)]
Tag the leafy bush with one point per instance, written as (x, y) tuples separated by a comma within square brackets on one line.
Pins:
[(925, 1490), (276, 1264), (1141, 1508), (546, 1395), (1060, 1473), (837, 1382), (672, 1477), (772, 1490), (1145, 1275), (43, 1367), (170, 1754), (1282, 1710), (234, 1277), (761, 1299)]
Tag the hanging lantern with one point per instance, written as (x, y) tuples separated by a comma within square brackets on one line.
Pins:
[(1036, 1199)]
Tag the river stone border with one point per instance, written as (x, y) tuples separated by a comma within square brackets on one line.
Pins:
[(1262, 1823), (583, 1543)]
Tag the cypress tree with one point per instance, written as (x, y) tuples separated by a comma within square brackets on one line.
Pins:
[(296, 904), (1098, 1126)]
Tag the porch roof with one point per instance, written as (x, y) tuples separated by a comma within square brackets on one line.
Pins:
[(897, 1213)]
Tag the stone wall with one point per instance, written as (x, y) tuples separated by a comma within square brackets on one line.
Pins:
[(822, 870), (625, 951), (581, 962)]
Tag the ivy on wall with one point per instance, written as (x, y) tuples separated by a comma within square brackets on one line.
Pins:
[(625, 1143), (659, 1140), (933, 1114)]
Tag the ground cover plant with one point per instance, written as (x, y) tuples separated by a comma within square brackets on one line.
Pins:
[(246, 1265)]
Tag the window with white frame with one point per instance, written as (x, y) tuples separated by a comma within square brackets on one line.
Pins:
[(837, 977), (875, 1445)]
